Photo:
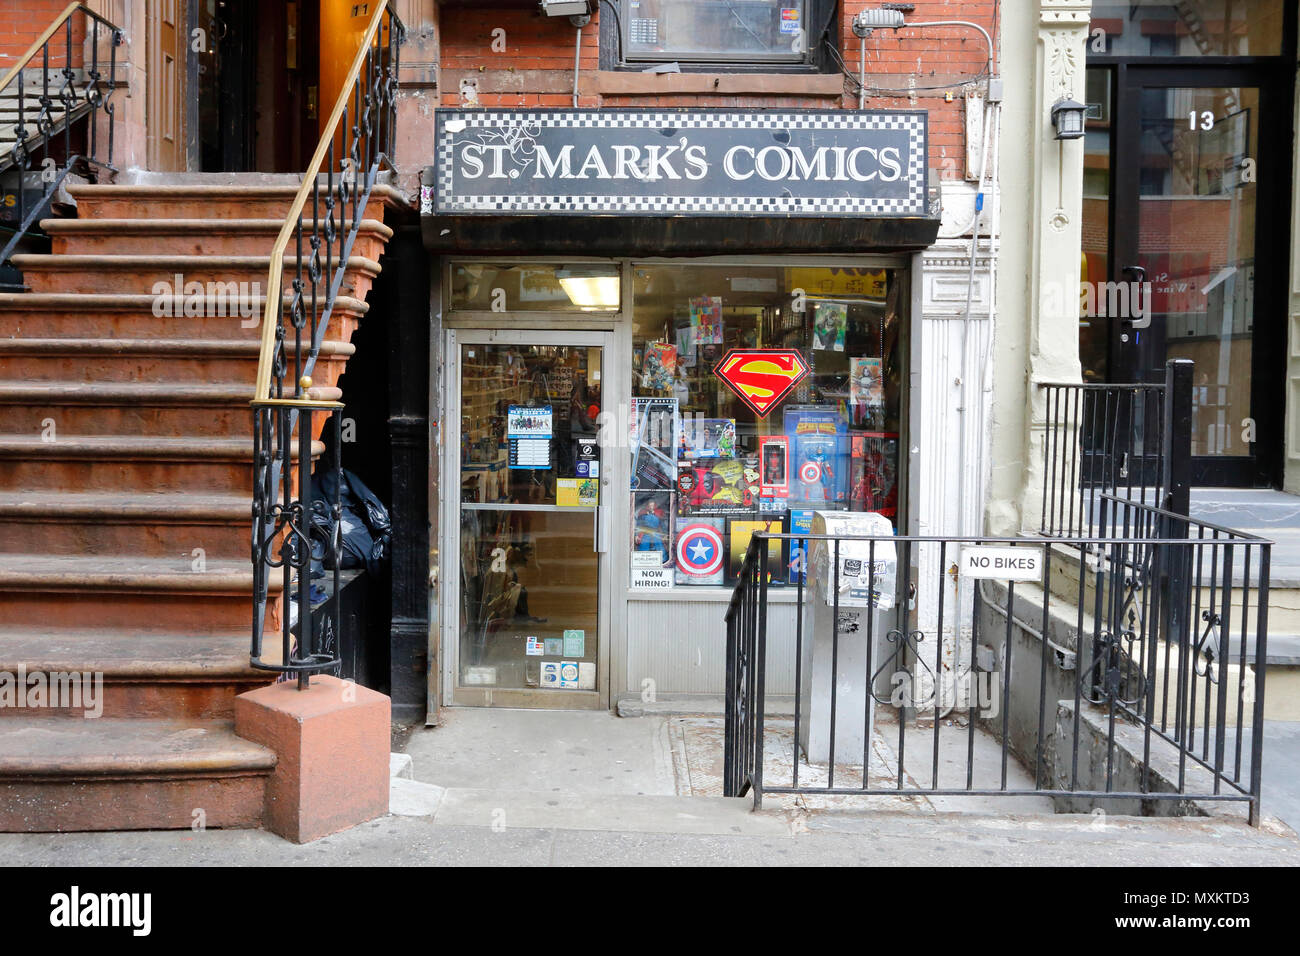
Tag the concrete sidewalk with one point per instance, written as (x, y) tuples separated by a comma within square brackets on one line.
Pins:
[(533, 829), (548, 788)]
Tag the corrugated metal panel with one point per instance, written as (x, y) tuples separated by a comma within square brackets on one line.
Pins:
[(681, 646)]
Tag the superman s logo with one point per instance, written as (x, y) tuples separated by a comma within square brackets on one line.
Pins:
[(762, 378)]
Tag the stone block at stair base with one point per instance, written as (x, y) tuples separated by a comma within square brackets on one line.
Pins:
[(332, 746)]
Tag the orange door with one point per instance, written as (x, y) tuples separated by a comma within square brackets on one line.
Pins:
[(166, 84)]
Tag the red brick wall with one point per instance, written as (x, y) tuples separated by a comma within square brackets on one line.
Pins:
[(536, 67), (22, 21)]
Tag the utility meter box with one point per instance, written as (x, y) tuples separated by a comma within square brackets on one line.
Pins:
[(866, 607)]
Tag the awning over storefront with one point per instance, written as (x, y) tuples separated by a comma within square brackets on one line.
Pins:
[(678, 182)]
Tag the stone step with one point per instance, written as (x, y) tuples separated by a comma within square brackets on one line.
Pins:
[(217, 527), (149, 594), (153, 275), (116, 463), (211, 201), (127, 409), (70, 774), (65, 410), (194, 237), (167, 675), (1283, 601), (180, 361), (145, 316)]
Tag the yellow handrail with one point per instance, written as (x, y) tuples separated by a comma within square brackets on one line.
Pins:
[(274, 292), (44, 38)]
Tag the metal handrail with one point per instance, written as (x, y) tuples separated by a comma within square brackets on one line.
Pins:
[(262, 394), (355, 143)]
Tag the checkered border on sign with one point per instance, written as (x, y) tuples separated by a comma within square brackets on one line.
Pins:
[(913, 205)]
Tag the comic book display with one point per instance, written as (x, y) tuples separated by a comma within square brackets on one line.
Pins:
[(739, 531), (755, 408)]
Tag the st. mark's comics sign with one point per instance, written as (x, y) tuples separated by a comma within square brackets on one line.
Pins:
[(679, 162)]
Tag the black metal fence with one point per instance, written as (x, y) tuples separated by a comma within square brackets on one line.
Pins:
[(60, 90), (1120, 439), (1123, 669)]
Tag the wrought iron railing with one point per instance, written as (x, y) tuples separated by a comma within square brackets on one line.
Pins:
[(1125, 439), (1098, 439), (1130, 668), (58, 107), (289, 410)]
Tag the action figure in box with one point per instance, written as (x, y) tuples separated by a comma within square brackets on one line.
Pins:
[(651, 528), (717, 486), (819, 455), (875, 482)]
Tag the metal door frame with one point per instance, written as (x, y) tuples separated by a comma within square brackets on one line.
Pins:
[(611, 385)]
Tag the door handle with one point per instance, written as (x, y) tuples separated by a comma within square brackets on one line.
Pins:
[(1138, 317)]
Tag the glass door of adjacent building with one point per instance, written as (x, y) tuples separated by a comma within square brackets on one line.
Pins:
[(1179, 260), (528, 622)]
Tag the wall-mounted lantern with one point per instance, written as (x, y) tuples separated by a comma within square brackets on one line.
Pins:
[(1067, 117)]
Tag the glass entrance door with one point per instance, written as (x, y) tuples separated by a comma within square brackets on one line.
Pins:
[(529, 619), (1192, 160)]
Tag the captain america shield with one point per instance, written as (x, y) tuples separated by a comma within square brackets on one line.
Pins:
[(810, 472), (699, 550)]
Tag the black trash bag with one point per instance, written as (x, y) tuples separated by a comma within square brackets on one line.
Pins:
[(372, 511), (356, 540), (367, 528)]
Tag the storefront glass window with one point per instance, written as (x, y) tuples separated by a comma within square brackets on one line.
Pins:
[(534, 287), (760, 395), (1196, 28)]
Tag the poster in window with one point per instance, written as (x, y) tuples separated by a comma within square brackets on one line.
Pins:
[(706, 319), (830, 322), (659, 366), (866, 382), (686, 346)]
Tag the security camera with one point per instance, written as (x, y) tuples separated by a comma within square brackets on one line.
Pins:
[(566, 8)]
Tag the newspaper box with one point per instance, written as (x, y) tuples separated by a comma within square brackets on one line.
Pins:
[(860, 594)]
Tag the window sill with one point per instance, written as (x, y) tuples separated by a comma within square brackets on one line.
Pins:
[(713, 595), (617, 83)]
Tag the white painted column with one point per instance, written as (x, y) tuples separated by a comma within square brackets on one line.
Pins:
[(1043, 49)]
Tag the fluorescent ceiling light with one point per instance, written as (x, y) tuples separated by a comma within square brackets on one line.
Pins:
[(591, 288)]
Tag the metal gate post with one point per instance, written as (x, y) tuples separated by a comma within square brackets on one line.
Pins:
[(1175, 482), (1176, 437)]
